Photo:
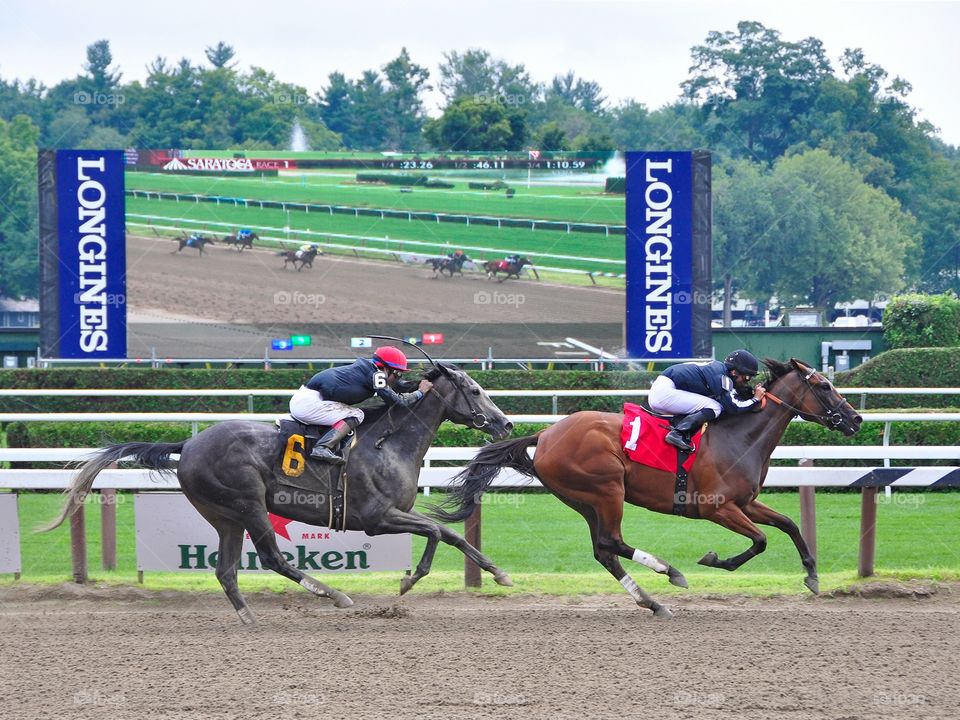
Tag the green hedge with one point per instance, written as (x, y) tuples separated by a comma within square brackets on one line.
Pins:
[(922, 321), (616, 185), (137, 378), (388, 179), (68, 434), (495, 185), (916, 367)]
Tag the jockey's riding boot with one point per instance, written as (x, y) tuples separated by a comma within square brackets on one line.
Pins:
[(679, 436), (327, 446)]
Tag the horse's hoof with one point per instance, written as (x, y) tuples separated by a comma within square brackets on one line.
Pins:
[(677, 578), (342, 601), (813, 584), (406, 582), (503, 579), (662, 612), (710, 559)]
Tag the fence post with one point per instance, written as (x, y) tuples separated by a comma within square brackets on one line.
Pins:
[(108, 528), (471, 531), (78, 546), (808, 512), (868, 531)]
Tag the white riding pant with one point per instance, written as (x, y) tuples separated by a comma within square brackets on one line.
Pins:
[(307, 406), (666, 398)]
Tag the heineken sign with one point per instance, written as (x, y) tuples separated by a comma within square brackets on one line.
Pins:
[(171, 536)]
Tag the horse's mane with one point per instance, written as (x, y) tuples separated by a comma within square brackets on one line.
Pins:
[(777, 370)]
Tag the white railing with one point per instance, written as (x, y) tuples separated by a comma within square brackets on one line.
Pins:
[(434, 477), (886, 417)]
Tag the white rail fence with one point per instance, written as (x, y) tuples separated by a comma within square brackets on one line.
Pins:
[(806, 477)]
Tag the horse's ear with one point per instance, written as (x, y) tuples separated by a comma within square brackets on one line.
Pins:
[(800, 366)]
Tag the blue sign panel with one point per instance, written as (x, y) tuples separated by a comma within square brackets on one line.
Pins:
[(659, 255), (92, 254)]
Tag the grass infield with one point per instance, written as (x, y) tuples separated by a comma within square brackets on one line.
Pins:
[(545, 548)]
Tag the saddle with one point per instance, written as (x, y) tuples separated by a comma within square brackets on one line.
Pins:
[(326, 484), (642, 437)]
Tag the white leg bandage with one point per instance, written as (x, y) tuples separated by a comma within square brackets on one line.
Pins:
[(639, 556)]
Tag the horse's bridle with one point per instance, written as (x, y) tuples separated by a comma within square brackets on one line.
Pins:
[(480, 420), (830, 418)]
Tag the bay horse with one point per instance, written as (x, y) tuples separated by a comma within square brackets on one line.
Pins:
[(512, 269), (580, 460), (241, 241), (230, 473), (304, 257), (192, 241)]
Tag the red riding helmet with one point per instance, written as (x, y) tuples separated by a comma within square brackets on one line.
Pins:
[(390, 357)]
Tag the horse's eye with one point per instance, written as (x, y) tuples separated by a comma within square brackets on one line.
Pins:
[(476, 391)]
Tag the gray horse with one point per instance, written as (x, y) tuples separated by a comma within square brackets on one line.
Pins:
[(230, 473)]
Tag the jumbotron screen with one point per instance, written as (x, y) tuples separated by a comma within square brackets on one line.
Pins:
[(509, 255)]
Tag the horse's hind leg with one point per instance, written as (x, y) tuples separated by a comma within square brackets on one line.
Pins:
[(262, 534), (609, 547), (760, 513), (398, 521), (228, 558)]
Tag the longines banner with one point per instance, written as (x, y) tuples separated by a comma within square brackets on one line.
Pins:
[(9, 534), (668, 250), (171, 535), (83, 262)]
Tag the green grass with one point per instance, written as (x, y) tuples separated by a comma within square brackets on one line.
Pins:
[(442, 236), (565, 203), (545, 548)]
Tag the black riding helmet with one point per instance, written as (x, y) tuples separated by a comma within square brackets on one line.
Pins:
[(743, 361)]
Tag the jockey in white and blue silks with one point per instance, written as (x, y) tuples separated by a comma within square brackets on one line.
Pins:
[(703, 391)]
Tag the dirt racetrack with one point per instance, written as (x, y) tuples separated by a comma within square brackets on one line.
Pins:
[(123, 653), (230, 304)]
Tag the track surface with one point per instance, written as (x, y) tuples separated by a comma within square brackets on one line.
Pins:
[(228, 301), (129, 654)]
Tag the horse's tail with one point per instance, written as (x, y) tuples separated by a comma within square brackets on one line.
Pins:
[(470, 483), (154, 456), (282, 253)]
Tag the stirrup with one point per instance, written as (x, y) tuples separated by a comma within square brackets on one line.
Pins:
[(322, 452), (678, 440)]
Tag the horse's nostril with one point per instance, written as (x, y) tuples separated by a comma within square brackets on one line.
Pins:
[(858, 418), (508, 426)]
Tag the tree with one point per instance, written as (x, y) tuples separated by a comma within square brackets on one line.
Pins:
[(756, 89), (102, 78), (582, 94), (220, 55), (469, 124), (837, 238), (18, 220), (745, 215), (551, 137), (477, 74), (405, 114)]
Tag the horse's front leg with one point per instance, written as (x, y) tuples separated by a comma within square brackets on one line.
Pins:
[(730, 516), (397, 521), (764, 515)]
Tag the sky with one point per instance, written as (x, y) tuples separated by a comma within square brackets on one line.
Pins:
[(634, 49)]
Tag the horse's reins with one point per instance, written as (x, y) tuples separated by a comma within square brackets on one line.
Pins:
[(831, 418), (476, 414)]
